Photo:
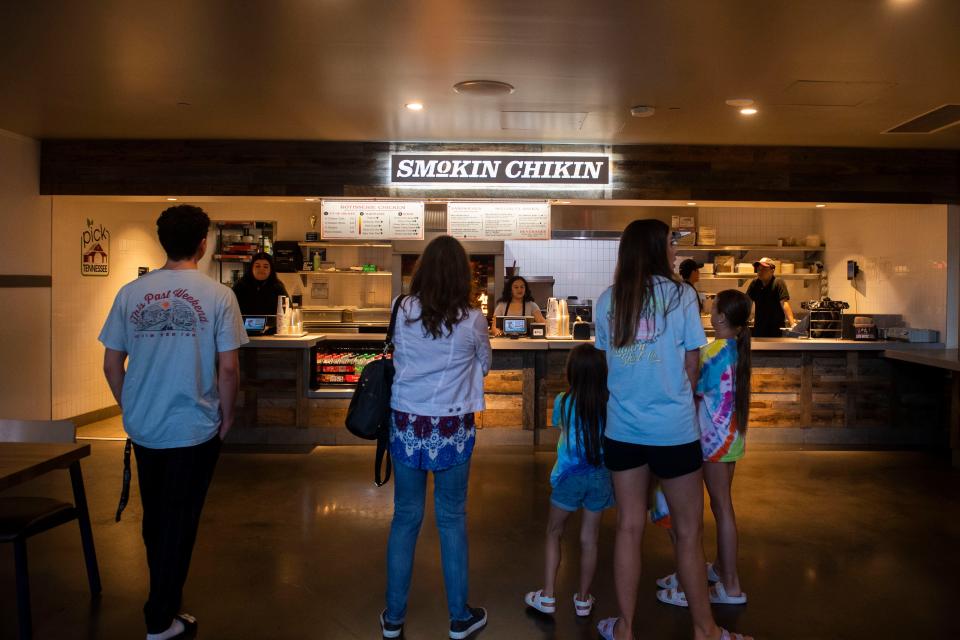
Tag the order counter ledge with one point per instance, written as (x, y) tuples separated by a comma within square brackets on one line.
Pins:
[(283, 342), (941, 358)]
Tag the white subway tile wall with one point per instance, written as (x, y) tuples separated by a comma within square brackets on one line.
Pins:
[(742, 225), (582, 268)]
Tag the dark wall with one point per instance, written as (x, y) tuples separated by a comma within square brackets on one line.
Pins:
[(300, 168)]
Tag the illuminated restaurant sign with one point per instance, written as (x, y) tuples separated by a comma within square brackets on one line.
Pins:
[(572, 170)]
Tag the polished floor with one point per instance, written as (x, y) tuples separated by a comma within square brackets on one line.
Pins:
[(835, 545)]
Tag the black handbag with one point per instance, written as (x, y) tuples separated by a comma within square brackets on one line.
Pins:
[(368, 416)]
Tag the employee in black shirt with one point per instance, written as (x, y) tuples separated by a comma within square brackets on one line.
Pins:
[(257, 291), (690, 272), (771, 301)]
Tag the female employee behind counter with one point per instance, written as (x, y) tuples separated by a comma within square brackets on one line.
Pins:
[(516, 301), (257, 291)]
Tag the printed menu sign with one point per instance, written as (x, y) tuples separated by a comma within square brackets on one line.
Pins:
[(499, 220), (371, 220)]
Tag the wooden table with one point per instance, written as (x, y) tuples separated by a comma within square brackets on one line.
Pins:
[(20, 462)]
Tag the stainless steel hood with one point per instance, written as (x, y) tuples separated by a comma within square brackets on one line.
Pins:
[(588, 222)]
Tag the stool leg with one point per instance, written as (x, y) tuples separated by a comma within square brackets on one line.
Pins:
[(86, 533), (23, 589)]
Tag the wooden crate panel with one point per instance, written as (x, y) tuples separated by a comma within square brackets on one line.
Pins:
[(502, 411), (506, 360), (268, 416), (506, 381), (328, 412), (760, 382)]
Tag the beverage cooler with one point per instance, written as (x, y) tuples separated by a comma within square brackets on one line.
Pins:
[(338, 364)]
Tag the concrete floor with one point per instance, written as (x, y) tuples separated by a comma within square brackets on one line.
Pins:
[(834, 545)]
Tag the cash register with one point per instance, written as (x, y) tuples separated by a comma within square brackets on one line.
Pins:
[(515, 326), (260, 325)]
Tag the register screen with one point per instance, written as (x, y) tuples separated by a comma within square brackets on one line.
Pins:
[(514, 326)]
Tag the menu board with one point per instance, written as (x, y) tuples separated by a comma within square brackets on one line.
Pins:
[(371, 220), (499, 220)]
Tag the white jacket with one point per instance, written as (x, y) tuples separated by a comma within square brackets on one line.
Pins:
[(442, 376)]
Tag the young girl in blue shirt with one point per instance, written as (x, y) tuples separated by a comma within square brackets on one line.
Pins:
[(579, 478)]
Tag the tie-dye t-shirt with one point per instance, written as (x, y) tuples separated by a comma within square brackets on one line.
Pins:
[(716, 406)]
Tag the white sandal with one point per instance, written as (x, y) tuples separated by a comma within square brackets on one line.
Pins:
[(672, 596), (671, 581), (540, 602), (583, 607), (719, 595)]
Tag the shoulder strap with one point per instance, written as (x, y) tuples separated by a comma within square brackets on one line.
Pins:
[(388, 343)]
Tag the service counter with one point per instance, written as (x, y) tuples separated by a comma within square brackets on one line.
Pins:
[(816, 392)]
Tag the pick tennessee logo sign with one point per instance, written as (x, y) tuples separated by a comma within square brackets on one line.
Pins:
[(94, 250), (499, 169)]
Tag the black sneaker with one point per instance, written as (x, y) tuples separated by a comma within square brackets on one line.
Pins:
[(390, 629), (460, 629)]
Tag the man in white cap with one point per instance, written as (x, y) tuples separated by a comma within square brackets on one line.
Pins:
[(771, 301)]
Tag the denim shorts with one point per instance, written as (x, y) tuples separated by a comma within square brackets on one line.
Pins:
[(592, 491)]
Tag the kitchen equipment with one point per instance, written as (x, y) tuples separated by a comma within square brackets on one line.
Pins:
[(581, 330), (786, 268), (724, 264), (908, 334), (745, 267), (580, 309), (825, 317), (813, 240), (864, 328), (287, 257), (708, 236)]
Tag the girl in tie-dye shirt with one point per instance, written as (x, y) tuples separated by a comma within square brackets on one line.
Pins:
[(723, 402)]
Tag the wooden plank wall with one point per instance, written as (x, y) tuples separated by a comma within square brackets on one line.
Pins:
[(306, 168)]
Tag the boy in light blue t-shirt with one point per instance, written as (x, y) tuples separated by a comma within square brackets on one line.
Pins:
[(171, 362)]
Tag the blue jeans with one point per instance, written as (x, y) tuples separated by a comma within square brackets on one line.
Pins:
[(450, 504)]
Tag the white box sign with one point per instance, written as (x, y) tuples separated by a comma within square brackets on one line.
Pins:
[(371, 220), (499, 220)]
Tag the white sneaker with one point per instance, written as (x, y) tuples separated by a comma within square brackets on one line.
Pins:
[(540, 602), (583, 607)]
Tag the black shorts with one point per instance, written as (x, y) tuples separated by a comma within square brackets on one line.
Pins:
[(665, 462)]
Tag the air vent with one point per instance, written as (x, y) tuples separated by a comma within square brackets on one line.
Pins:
[(542, 120), (930, 122), (435, 214)]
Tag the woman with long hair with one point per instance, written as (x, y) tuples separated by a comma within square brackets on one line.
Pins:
[(648, 323), (517, 300), (441, 354), (257, 291)]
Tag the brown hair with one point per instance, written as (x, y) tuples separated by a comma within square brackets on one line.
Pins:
[(585, 402), (441, 281), (642, 255), (735, 307)]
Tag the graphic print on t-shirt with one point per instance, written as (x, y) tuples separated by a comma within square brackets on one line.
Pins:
[(168, 313)]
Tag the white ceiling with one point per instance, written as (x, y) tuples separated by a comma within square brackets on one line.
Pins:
[(824, 72)]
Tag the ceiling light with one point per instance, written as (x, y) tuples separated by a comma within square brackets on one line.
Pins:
[(414, 106), (642, 111), (310, 199), (740, 102), (821, 206), (484, 88), (748, 111), (691, 204), (172, 199)]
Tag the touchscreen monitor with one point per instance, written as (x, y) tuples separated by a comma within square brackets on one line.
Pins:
[(515, 326), (255, 323)]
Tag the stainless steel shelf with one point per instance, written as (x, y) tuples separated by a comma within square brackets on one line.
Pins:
[(327, 244), (771, 248), (348, 273), (750, 276)]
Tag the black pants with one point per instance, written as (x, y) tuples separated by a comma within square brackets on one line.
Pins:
[(173, 486)]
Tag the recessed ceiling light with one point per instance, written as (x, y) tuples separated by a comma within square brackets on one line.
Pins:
[(748, 111), (821, 206), (740, 102), (642, 111), (172, 199), (484, 88), (691, 204), (414, 106)]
